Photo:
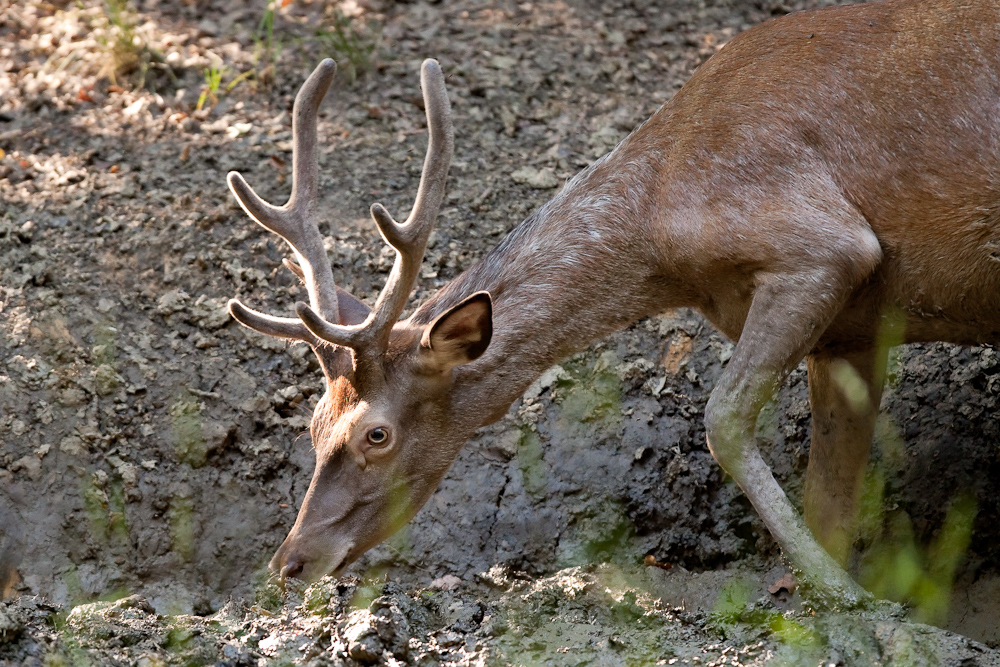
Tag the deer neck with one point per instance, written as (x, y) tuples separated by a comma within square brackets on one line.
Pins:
[(574, 271)]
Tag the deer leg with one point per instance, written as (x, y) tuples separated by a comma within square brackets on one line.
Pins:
[(844, 393), (786, 317)]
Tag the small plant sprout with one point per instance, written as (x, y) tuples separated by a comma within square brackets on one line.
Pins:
[(351, 40), (129, 56), (268, 43), (210, 90)]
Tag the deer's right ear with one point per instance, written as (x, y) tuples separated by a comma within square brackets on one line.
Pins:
[(352, 311), (459, 335)]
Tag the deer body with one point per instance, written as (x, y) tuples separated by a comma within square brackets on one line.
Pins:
[(822, 174)]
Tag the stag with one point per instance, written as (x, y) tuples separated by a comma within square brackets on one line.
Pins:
[(823, 170)]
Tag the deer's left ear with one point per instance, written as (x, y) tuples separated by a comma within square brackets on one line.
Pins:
[(459, 335)]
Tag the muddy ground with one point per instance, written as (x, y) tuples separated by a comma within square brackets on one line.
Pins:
[(153, 452)]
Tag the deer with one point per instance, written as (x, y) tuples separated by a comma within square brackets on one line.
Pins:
[(820, 172)]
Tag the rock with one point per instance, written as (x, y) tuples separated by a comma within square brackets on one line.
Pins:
[(544, 381), (136, 602), (29, 464), (217, 435), (363, 641), (210, 314), (504, 446), (11, 624), (448, 638), (72, 397), (503, 62), (605, 139), (208, 27), (172, 302), (392, 627), (106, 380), (448, 582), (540, 179), (72, 445)]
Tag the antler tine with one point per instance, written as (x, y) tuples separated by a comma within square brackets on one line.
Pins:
[(294, 221), (280, 327), (409, 239)]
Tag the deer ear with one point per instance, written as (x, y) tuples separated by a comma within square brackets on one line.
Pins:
[(461, 334), (352, 311)]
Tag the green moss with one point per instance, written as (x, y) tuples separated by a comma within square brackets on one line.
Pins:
[(531, 461), (186, 427), (591, 393), (181, 517), (605, 535)]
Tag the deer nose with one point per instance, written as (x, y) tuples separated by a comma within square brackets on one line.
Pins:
[(292, 568)]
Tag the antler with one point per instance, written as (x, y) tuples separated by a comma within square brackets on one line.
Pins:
[(294, 221), (408, 238), (321, 320)]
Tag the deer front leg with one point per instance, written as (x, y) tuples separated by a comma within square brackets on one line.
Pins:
[(844, 394), (785, 319)]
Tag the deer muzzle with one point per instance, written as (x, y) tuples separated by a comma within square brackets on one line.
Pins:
[(292, 561)]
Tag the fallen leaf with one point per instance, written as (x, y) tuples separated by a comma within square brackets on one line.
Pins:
[(651, 561), (786, 583), (678, 352)]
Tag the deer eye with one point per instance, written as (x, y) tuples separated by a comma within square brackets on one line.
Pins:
[(378, 436)]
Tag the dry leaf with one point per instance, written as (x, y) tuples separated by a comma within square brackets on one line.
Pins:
[(786, 583), (651, 561)]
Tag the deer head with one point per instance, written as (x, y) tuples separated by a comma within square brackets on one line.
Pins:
[(382, 433)]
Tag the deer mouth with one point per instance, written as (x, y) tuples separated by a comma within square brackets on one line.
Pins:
[(290, 564)]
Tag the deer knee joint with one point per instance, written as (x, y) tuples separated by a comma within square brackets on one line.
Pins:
[(728, 429)]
